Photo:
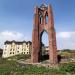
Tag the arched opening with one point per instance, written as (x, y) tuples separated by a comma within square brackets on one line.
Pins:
[(41, 19), (44, 48), (46, 19)]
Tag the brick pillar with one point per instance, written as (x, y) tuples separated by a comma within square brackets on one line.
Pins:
[(52, 38), (35, 38)]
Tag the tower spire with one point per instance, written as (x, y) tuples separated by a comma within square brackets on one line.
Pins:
[(43, 5)]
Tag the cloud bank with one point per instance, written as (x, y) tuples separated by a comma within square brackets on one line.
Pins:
[(10, 35), (64, 39), (65, 35)]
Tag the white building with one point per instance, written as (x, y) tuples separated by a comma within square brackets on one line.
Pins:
[(45, 50), (12, 48)]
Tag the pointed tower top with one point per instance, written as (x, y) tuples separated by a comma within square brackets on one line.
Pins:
[(43, 5)]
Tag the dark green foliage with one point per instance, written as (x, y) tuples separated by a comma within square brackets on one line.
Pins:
[(20, 56), (70, 67)]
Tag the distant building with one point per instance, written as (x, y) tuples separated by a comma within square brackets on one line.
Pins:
[(45, 50), (12, 48)]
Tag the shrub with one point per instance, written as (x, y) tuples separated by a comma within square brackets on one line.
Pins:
[(68, 68)]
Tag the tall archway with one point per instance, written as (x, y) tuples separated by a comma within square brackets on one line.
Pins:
[(44, 46), (48, 25)]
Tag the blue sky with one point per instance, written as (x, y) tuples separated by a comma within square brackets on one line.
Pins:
[(16, 20)]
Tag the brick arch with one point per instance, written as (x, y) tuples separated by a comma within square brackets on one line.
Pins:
[(41, 44), (41, 34), (38, 30)]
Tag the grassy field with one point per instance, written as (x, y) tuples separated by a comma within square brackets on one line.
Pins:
[(11, 67)]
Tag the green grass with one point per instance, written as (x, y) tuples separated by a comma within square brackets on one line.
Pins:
[(20, 56), (68, 67), (11, 67)]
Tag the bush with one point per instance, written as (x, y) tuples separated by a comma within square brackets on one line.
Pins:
[(68, 68)]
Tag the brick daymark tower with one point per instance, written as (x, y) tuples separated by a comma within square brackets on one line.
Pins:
[(43, 21)]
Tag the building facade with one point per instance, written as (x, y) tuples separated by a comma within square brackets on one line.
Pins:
[(12, 48), (45, 50)]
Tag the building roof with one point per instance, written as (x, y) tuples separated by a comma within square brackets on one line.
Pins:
[(17, 42)]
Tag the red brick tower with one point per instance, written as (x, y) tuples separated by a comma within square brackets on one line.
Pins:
[(43, 21)]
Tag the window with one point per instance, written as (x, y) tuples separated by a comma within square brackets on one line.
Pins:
[(10, 52), (27, 45), (13, 52), (17, 51), (27, 52)]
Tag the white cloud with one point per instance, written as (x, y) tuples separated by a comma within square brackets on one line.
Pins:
[(65, 34), (7, 35), (10, 35), (66, 40)]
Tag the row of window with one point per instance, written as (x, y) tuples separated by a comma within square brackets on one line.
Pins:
[(18, 52), (11, 52), (25, 53), (18, 47), (14, 49)]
